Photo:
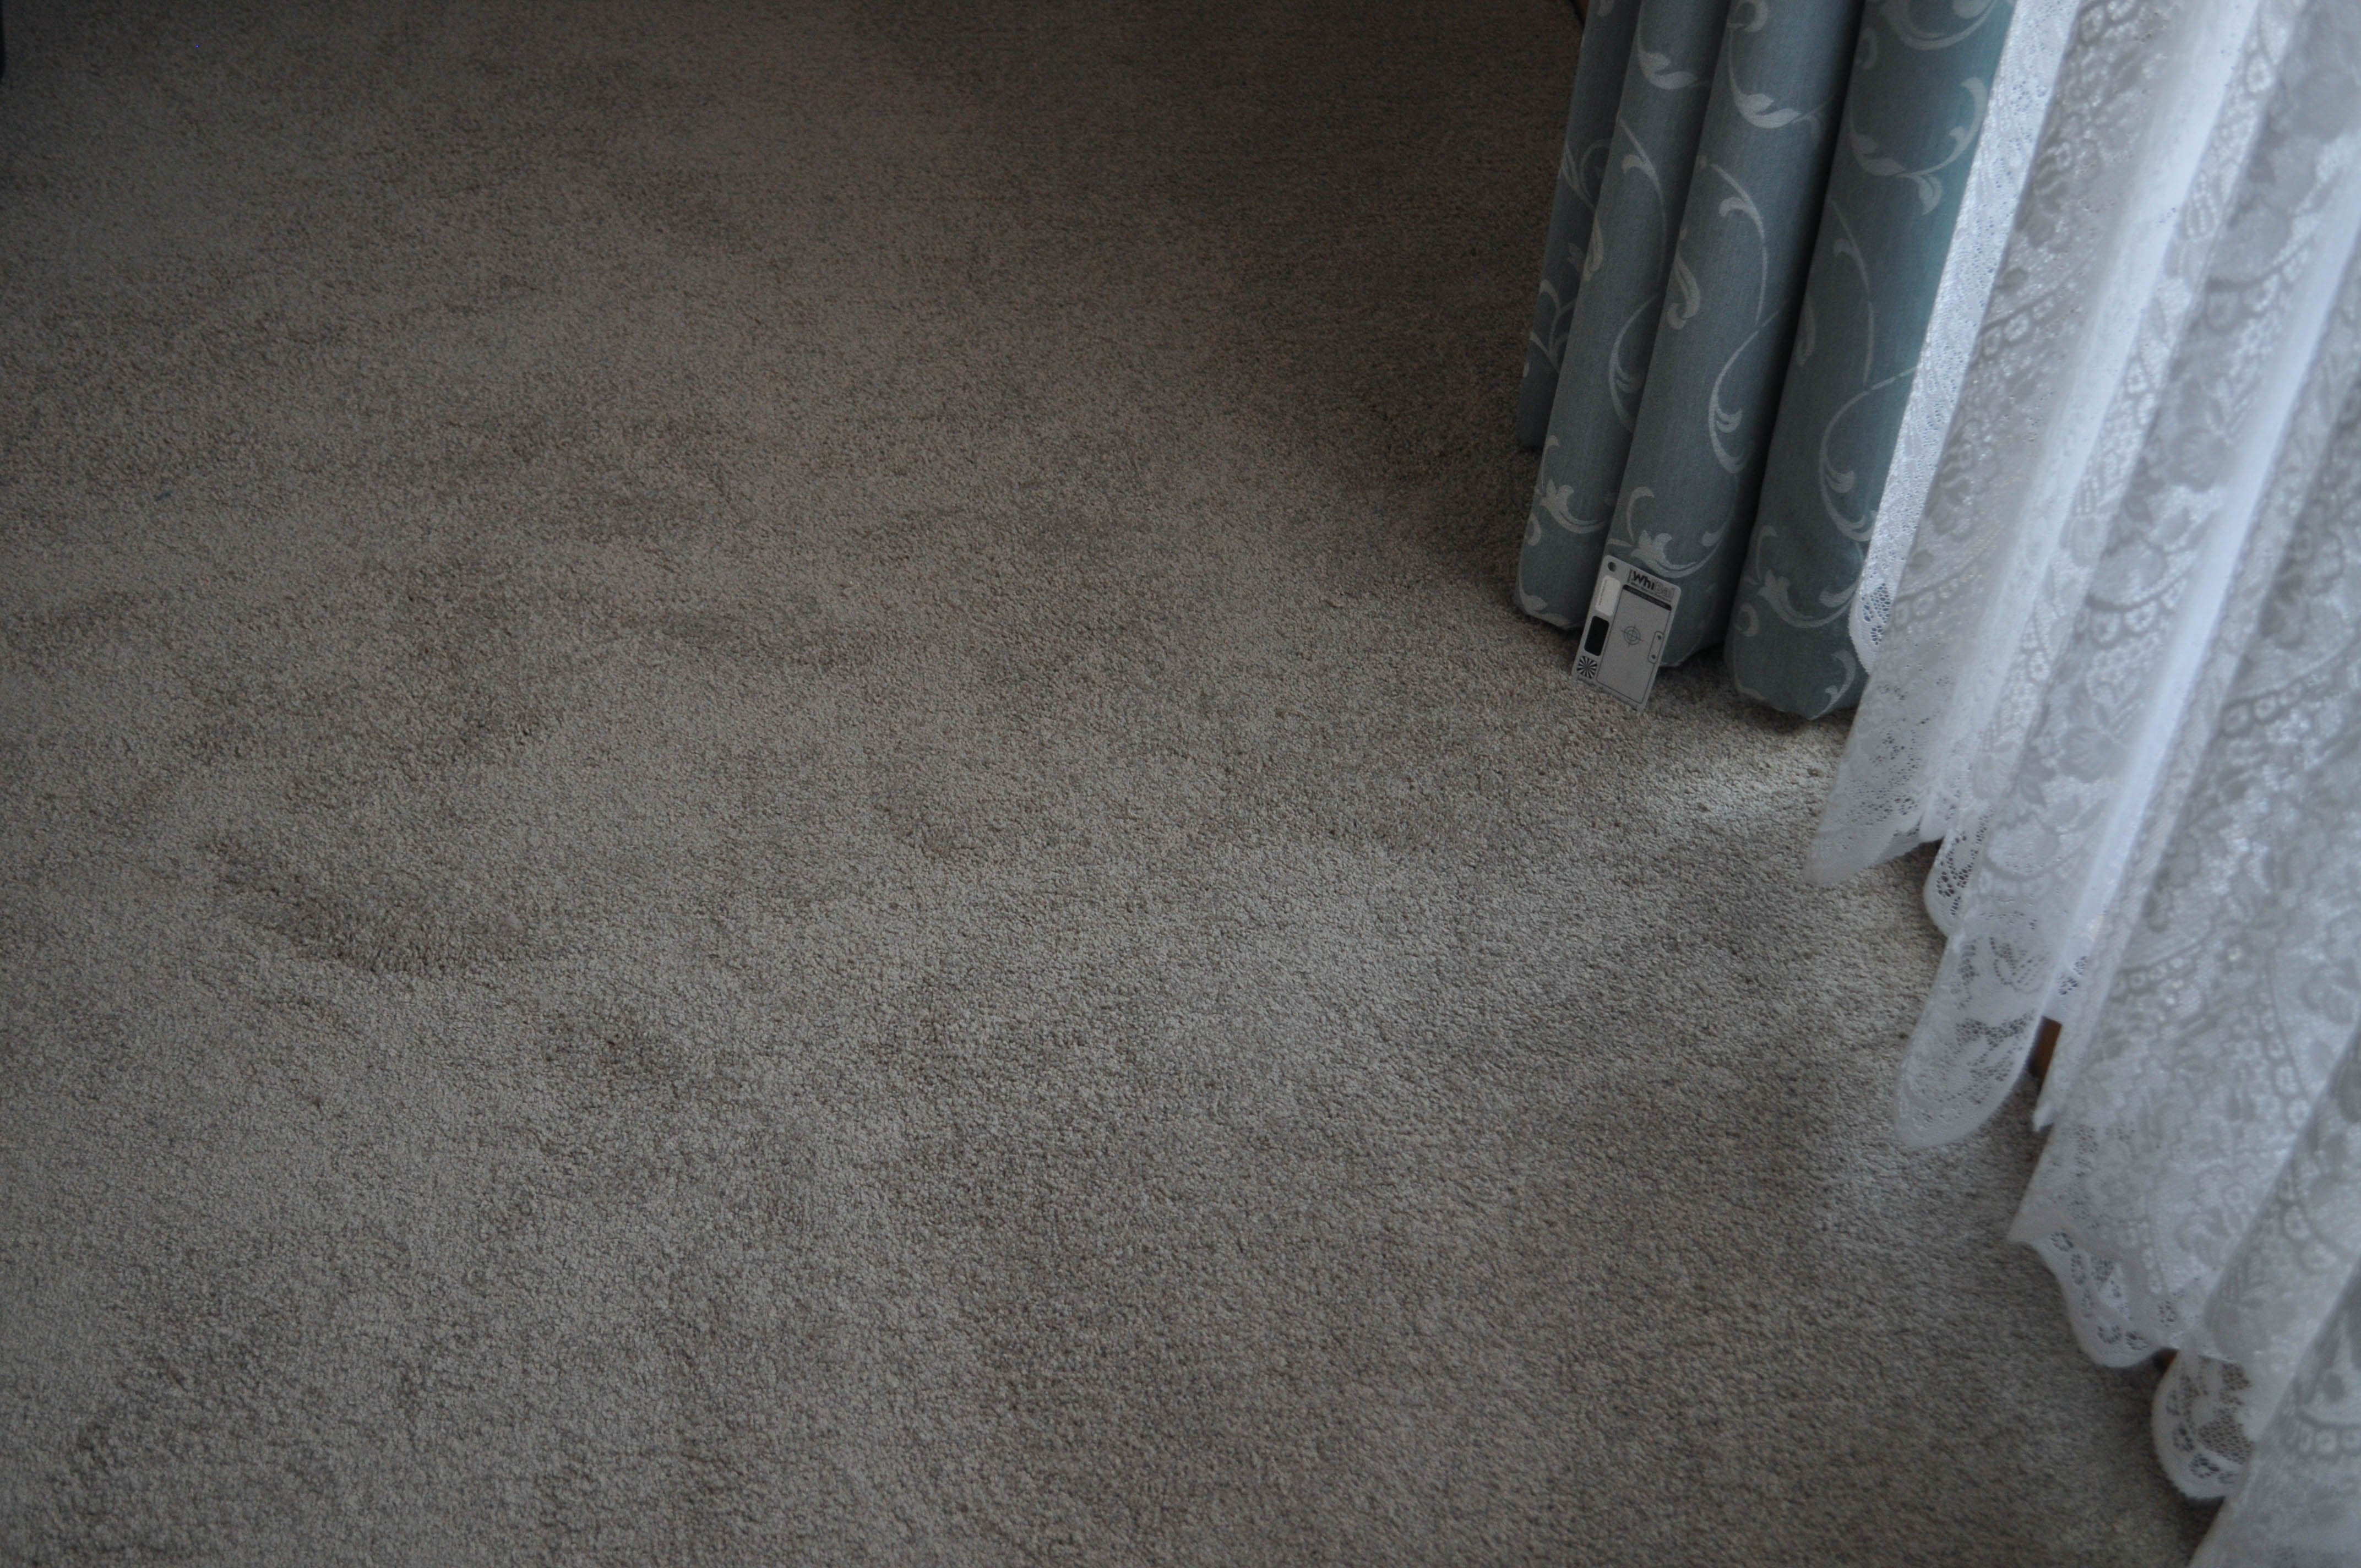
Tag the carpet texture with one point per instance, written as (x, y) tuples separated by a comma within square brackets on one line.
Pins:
[(770, 798)]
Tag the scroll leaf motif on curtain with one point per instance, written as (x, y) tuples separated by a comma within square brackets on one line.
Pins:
[(1914, 118), (1660, 115), (1688, 488)]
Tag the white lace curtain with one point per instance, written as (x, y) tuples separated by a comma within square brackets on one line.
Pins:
[(2120, 682)]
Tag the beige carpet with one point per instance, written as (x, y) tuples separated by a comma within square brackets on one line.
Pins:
[(770, 799)]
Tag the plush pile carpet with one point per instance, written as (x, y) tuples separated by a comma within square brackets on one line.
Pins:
[(770, 799)]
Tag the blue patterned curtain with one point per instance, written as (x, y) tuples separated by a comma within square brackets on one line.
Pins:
[(1659, 117), (1742, 258)]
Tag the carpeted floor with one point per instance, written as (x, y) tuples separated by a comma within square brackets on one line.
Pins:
[(770, 799)]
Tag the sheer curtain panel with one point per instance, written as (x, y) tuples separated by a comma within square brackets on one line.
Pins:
[(2121, 683)]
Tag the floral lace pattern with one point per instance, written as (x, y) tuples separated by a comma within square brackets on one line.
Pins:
[(2202, 1185), (2168, 506), (2122, 681), (2021, 85), (2073, 312), (2201, 1425), (2298, 1502)]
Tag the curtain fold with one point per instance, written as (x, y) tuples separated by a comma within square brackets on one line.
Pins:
[(1687, 490), (1659, 118), (2202, 1188), (2014, 111), (1913, 121), (2121, 682), (1581, 174)]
